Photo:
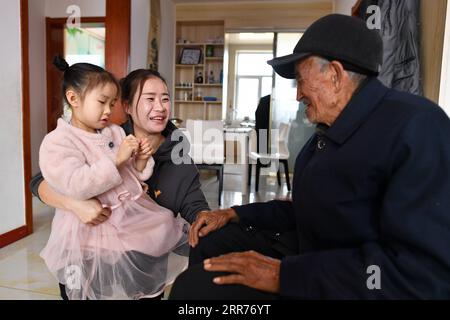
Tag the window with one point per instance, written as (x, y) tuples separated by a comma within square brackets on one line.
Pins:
[(85, 44), (253, 81)]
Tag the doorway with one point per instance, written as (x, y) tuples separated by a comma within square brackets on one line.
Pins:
[(83, 44)]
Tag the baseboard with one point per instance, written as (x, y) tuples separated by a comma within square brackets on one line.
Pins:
[(13, 236)]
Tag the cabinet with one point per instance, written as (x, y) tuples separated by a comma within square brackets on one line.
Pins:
[(194, 97)]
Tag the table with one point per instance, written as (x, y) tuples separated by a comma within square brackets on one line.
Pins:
[(241, 135)]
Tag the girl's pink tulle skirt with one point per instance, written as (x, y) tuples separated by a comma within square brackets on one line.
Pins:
[(126, 257)]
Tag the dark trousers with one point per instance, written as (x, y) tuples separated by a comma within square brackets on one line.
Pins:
[(196, 283)]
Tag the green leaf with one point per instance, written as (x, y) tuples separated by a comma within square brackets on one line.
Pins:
[(73, 31)]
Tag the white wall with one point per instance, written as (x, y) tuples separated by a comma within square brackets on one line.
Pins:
[(89, 8), (140, 20), (343, 6), (12, 213), (140, 12), (38, 93), (167, 43)]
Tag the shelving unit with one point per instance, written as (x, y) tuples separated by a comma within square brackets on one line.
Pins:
[(189, 95)]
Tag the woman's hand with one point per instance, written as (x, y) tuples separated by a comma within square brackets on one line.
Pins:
[(208, 221), (90, 211), (129, 146)]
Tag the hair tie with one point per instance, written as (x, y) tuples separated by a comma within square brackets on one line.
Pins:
[(61, 63)]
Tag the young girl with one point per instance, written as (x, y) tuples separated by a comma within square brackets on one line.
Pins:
[(126, 256)]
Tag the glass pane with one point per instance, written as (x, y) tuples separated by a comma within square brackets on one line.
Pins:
[(266, 86), (85, 44), (247, 99), (285, 106), (254, 64)]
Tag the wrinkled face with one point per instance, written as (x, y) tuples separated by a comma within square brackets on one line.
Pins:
[(94, 110), (150, 112), (315, 90)]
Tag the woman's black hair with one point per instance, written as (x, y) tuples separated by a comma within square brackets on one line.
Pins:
[(82, 77)]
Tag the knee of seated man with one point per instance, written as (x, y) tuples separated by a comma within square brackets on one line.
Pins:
[(222, 235), (217, 242), (194, 283), (187, 283)]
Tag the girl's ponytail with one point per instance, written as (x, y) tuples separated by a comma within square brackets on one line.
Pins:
[(60, 63)]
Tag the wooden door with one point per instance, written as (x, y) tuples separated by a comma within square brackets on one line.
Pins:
[(55, 46)]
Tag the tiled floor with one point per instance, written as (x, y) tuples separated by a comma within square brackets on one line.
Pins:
[(23, 274)]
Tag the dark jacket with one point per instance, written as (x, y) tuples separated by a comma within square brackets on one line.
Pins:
[(400, 34), (175, 187), (373, 189)]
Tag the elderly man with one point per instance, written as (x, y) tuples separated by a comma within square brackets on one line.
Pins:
[(370, 209)]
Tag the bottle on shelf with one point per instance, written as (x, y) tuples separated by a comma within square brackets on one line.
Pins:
[(198, 96), (199, 78), (209, 51), (221, 76), (211, 77)]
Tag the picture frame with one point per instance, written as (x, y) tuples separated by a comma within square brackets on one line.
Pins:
[(191, 56)]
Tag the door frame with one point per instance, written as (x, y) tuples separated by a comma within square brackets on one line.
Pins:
[(118, 46), (50, 24)]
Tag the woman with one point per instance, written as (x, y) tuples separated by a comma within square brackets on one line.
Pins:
[(146, 99)]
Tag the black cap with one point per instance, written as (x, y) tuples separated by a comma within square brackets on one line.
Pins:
[(336, 37)]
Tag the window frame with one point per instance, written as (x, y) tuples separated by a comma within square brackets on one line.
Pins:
[(238, 77)]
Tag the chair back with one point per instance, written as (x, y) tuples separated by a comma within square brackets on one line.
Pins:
[(207, 141), (283, 142)]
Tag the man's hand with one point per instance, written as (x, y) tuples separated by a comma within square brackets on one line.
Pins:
[(128, 147), (208, 221), (90, 211), (250, 269)]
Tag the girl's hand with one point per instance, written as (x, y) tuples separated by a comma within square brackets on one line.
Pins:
[(129, 146), (145, 149)]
